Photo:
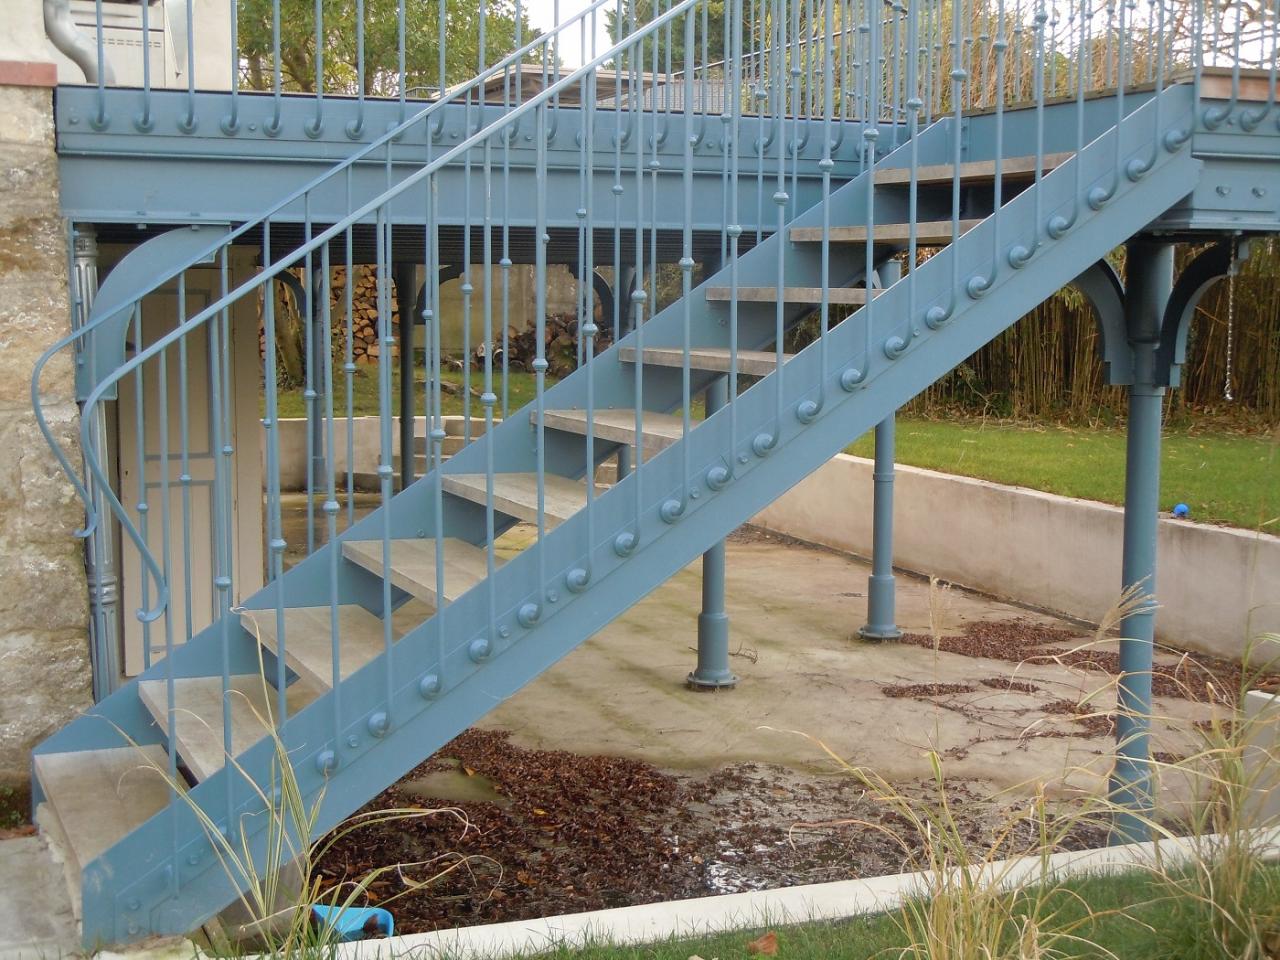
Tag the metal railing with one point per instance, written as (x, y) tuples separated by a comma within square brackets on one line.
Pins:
[(864, 76)]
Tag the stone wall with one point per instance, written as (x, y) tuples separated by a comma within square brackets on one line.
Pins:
[(44, 666)]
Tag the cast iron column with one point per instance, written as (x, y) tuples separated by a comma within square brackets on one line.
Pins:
[(881, 623), (1150, 279), (713, 623)]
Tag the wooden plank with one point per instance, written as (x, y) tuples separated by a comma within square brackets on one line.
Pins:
[(973, 171), (308, 645), (516, 494), (845, 296), (930, 233), (618, 425), (98, 796), (198, 715), (753, 363), (413, 565)]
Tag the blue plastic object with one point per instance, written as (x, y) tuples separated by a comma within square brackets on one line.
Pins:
[(1181, 510), (355, 923)]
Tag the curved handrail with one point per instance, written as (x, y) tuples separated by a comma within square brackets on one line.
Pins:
[(268, 272)]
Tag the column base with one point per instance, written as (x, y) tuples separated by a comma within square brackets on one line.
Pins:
[(713, 671), (880, 606)]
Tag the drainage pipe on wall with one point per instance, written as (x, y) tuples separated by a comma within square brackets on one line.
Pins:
[(66, 36)]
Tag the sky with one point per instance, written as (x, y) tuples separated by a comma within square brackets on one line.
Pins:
[(542, 15)]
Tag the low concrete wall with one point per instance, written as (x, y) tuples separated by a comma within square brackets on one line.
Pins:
[(1217, 586)]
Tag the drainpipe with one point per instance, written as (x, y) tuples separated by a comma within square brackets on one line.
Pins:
[(100, 549), (66, 36)]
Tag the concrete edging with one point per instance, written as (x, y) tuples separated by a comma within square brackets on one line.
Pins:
[(840, 900), (1218, 587)]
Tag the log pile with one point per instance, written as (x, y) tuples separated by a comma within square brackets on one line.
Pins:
[(365, 347), (560, 334), (364, 313)]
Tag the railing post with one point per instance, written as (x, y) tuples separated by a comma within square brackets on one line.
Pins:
[(881, 598), (713, 670), (406, 281), (1150, 280)]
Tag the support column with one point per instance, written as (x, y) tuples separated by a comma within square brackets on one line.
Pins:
[(406, 280), (881, 600), (622, 284), (881, 596), (1149, 266), (100, 549), (713, 670)]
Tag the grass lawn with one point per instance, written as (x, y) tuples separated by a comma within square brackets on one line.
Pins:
[(520, 390), (1132, 918), (1224, 478)]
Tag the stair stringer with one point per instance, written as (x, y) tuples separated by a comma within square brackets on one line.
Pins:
[(518, 654)]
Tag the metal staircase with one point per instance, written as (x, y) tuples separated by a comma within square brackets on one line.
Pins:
[(407, 627)]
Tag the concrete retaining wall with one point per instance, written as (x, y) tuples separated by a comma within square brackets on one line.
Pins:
[(1217, 586)]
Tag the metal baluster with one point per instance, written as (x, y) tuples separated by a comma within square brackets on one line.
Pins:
[(223, 507), (430, 686), (400, 55), (386, 341), (331, 506), (1020, 255), (144, 122), (100, 122), (271, 421), (979, 285), (870, 134), (166, 553), (627, 542), (273, 128), (764, 442), (578, 581), (309, 397), (540, 358), (184, 458), (143, 508), (349, 369), (355, 128), (671, 511), (189, 124)]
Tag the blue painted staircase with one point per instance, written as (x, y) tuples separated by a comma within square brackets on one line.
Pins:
[(407, 629)]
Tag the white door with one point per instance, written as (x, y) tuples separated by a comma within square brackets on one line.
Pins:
[(191, 509)]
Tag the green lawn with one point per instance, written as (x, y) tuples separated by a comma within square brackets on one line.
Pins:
[(1132, 918), (520, 390), (1224, 478)]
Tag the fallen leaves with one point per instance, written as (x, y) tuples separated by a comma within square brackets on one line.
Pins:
[(765, 945)]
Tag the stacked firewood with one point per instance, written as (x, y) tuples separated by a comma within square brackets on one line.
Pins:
[(365, 347), (560, 335)]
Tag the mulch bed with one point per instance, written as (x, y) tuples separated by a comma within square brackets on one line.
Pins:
[(573, 833), (926, 689), (1199, 678)]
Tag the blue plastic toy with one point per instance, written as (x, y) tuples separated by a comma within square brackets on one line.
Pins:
[(355, 923), (1181, 510)]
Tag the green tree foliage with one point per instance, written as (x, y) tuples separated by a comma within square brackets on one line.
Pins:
[(670, 40), (339, 38)]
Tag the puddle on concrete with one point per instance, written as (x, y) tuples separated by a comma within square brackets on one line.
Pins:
[(455, 786)]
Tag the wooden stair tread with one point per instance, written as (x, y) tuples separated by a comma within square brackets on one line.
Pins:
[(308, 643), (516, 494), (198, 715), (844, 296), (971, 171), (754, 363), (99, 796), (413, 565), (618, 425), (928, 233)]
